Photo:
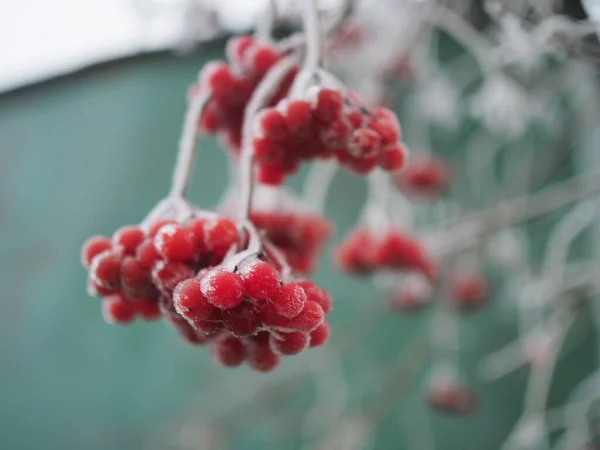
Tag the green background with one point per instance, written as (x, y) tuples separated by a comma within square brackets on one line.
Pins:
[(89, 152)]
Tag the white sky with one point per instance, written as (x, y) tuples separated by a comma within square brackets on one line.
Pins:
[(42, 38)]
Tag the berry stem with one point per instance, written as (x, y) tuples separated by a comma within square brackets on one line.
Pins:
[(314, 41), (187, 145), (317, 183), (261, 96)]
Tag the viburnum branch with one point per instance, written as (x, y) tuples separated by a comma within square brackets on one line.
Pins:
[(187, 145), (317, 184), (260, 98)]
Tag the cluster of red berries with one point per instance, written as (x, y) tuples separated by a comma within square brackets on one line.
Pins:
[(427, 177), (449, 396), (250, 315), (364, 251), (470, 290), (137, 267), (299, 236), (325, 126), (231, 85), (177, 271)]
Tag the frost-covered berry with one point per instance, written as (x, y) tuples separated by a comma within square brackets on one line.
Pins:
[(92, 247), (220, 235), (261, 279), (191, 303), (316, 294), (289, 343), (105, 269), (128, 238), (167, 275), (319, 335), (228, 350), (116, 310), (222, 288), (261, 358), (175, 243), (242, 320), (289, 300)]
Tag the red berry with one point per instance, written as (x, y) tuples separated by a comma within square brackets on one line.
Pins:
[(298, 117), (271, 174), (317, 294), (187, 332), (335, 134), (222, 288), (220, 235), (156, 226), (118, 311), (469, 290), (242, 320), (207, 327), (261, 279), (289, 301), (191, 303), (329, 105), (392, 157), (148, 310), (262, 58), (261, 357), (237, 47), (196, 228), (105, 269), (272, 124), (136, 279), (309, 319), (147, 254), (92, 247), (128, 239), (289, 343), (364, 143), (167, 275), (175, 243), (319, 335), (228, 350), (97, 290)]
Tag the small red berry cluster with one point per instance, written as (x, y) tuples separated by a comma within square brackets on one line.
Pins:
[(470, 290), (424, 177), (138, 268), (364, 251), (180, 271), (450, 397), (299, 236), (250, 315), (231, 85), (323, 127)]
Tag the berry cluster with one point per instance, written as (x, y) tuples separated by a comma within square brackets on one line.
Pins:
[(470, 290), (299, 236), (427, 177), (364, 251), (325, 126), (250, 315), (138, 269), (231, 85), (447, 395), (180, 272)]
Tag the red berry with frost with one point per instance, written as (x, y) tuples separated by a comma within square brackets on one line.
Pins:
[(105, 269), (364, 143), (242, 320), (147, 310), (207, 327), (147, 254), (316, 294), (392, 157), (335, 134), (220, 235), (298, 117), (289, 343), (187, 332), (136, 279), (271, 174), (267, 150), (156, 226), (289, 300), (175, 243), (261, 358), (261, 279), (228, 350), (167, 275), (262, 58), (309, 319), (191, 303), (222, 288), (97, 290), (128, 238), (116, 310), (237, 47), (92, 247), (319, 335), (328, 105), (196, 228), (272, 124)]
